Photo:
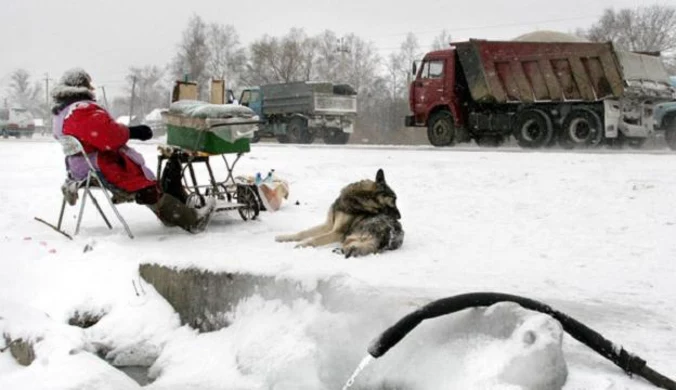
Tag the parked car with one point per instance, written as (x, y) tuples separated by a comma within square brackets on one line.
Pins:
[(16, 122)]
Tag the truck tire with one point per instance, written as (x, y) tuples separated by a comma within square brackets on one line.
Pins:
[(336, 137), (256, 137), (441, 129), (670, 133), (5, 134), (581, 128), (298, 132), (282, 138), (533, 129)]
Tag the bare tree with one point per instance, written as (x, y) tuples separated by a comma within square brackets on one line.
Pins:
[(193, 55), (409, 52), (396, 78), (441, 41), (150, 90), (329, 65), (650, 28), (227, 58), (24, 93), (281, 60), (362, 64)]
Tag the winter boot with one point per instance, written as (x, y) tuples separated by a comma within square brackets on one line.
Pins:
[(174, 213), (69, 191)]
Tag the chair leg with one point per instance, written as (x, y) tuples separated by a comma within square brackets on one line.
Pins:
[(82, 206), (63, 208), (96, 203), (117, 213)]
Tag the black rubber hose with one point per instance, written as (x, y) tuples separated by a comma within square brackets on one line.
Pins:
[(630, 363)]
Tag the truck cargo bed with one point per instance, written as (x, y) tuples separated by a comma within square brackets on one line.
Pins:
[(306, 97), (503, 72)]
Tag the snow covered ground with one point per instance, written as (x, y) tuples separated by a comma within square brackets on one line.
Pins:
[(591, 234)]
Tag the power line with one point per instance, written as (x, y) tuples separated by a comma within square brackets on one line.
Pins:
[(514, 24), (451, 31)]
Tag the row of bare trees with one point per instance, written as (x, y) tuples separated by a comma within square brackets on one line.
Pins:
[(214, 50)]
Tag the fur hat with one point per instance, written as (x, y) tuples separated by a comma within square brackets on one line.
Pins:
[(74, 85)]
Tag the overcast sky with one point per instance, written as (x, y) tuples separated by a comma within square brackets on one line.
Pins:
[(107, 36)]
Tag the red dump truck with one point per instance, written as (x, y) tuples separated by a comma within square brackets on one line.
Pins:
[(577, 94)]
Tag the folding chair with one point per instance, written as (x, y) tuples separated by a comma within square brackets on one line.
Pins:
[(72, 147)]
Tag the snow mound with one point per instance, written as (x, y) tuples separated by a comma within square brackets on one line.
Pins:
[(302, 345), (500, 347), (549, 36)]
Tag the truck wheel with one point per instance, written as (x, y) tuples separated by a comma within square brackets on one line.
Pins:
[(298, 132), (581, 128), (5, 134), (282, 138), (670, 134), (337, 137), (256, 137), (533, 129), (441, 130)]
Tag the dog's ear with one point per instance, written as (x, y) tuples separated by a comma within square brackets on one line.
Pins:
[(380, 176)]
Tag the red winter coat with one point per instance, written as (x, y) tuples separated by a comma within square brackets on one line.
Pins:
[(98, 132)]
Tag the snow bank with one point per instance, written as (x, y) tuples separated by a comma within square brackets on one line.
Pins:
[(589, 233)]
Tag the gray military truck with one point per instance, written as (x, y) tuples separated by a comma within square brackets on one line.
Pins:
[(299, 112)]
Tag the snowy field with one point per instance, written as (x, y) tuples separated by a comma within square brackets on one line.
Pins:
[(591, 234)]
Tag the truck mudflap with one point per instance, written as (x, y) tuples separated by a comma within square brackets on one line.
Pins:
[(630, 118), (409, 121)]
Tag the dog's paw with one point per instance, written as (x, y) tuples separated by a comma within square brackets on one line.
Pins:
[(355, 250), (284, 238), (308, 243)]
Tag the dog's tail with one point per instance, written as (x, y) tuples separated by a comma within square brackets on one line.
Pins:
[(360, 244)]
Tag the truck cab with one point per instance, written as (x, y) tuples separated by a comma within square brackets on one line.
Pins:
[(434, 98), (430, 87), (252, 98), (665, 112)]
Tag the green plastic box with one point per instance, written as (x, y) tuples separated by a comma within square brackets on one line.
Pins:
[(208, 141)]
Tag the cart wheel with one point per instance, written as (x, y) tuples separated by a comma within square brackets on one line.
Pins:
[(247, 196), (195, 200)]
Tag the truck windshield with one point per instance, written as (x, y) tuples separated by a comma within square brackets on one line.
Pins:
[(433, 69), (245, 98)]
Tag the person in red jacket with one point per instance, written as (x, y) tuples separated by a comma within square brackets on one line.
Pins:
[(77, 114)]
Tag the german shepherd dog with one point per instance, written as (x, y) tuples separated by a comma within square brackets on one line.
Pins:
[(364, 219)]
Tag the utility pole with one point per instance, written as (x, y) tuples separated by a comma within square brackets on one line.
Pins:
[(105, 99), (342, 49), (48, 119), (131, 102)]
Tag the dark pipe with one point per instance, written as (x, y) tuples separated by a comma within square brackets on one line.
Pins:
[(630, 363)]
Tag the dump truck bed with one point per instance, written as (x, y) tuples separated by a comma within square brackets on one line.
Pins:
[(524, 72), (309, 98)]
